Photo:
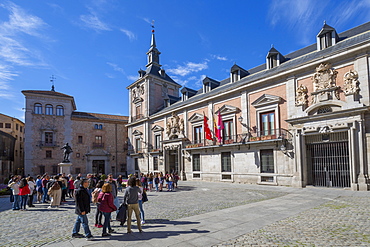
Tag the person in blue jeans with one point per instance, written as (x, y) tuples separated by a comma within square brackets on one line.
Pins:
[(15, 189), (45, 196), (82, 199)]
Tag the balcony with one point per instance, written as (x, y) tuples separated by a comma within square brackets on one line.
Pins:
[(137, 117), (135, 151), (47, 144), (98, 145), (246, 138)]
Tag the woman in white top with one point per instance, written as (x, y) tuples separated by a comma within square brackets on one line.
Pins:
[(32, 186)]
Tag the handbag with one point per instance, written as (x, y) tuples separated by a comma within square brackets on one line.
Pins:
[(145, 197)]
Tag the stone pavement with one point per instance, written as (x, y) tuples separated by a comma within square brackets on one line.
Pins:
[(213, 214)]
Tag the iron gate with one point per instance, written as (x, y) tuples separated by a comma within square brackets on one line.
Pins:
[(329, 163)]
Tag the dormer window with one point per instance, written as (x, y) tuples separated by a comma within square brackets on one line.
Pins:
[(187, 93), (327, 37), (274, 58), (237, 73), (209, 84)]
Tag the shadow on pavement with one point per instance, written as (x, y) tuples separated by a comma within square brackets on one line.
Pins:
[(148, 235)]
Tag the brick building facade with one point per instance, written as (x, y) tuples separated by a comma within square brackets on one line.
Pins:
[(299, 119), (98, 140)]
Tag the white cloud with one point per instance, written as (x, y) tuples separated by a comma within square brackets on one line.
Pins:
[(13, 50), (132, 77), (116, 67), (92, 21), (129, 34), (188, 68), (219, 57)]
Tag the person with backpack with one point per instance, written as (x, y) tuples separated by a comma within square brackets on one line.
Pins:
[(39, 188), (44, 182), (156, 182), (55, 192), (106, 206), (94, 199)]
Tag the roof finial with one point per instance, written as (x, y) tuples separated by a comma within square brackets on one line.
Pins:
[(272, 45), (324, 22), (52, 78), (152, 26)]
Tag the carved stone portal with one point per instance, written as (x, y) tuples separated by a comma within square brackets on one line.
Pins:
[(324, 84), (175, 127), (301, 96), (350, 86), (324, 78)]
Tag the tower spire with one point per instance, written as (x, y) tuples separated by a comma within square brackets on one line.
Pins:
[(153, 53)]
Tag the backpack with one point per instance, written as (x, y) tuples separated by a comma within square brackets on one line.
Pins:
[(55, 186), (156, 180), (94, 196)]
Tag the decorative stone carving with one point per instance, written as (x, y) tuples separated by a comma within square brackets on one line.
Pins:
[(301, 96), (324, 84), (175, 127), (172, 147), (350, 86), (324, 77), (137, 92), (325, 129)]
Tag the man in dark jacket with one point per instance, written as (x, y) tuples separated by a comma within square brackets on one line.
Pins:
[(82, 198)]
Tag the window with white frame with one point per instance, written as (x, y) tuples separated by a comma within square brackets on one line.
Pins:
[(157, 141), (60, 110), (138, 145), (267, 123), (48, 109), (228, 131), (37, 108), (48, 138), (225, 161), (267, 161), (155, 163), (197, 134), (196, 162)]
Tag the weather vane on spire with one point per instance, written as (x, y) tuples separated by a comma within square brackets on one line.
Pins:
[(152, 26), (52, 78)]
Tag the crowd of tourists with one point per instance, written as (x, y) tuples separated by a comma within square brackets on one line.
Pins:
[(92, 189)]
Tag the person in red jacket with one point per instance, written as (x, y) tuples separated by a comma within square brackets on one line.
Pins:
[(24, 190), (106, 206)]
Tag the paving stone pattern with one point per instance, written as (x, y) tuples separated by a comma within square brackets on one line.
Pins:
[(40, 226), (341, 222)]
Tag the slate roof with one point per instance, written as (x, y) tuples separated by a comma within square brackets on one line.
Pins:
[(45, 92), (98, 116), (347, 38)]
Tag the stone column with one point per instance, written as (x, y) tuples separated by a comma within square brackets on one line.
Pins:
[(362, 179)]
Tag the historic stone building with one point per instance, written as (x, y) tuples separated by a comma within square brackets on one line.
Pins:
[(11, 146), (299, 119), (99, 141)]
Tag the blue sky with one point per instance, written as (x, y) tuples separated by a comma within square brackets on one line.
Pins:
[(94, 48)]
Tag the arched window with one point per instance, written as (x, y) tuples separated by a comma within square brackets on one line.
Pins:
[(37, 109), (60, 110), (49, 110)]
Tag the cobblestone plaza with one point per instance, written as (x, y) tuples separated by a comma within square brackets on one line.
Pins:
[(210, 214)]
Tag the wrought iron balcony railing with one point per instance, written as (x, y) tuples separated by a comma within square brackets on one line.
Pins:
[(48, 144), (273, 134)]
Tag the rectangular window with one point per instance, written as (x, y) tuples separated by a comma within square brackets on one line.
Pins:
[(16, 126), (49, 154), (80, 139), (1, 125), (21, 129), (138, 145), (98, 142), (196, 162), (16, 153), (48, 138), (55, 169), (268, 123), (228, 130), (8, 125), (157, 144), (78, 170), (136, 160), (226, 162), (155, 163), (42, 169), (267, 161), (198, 134)]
